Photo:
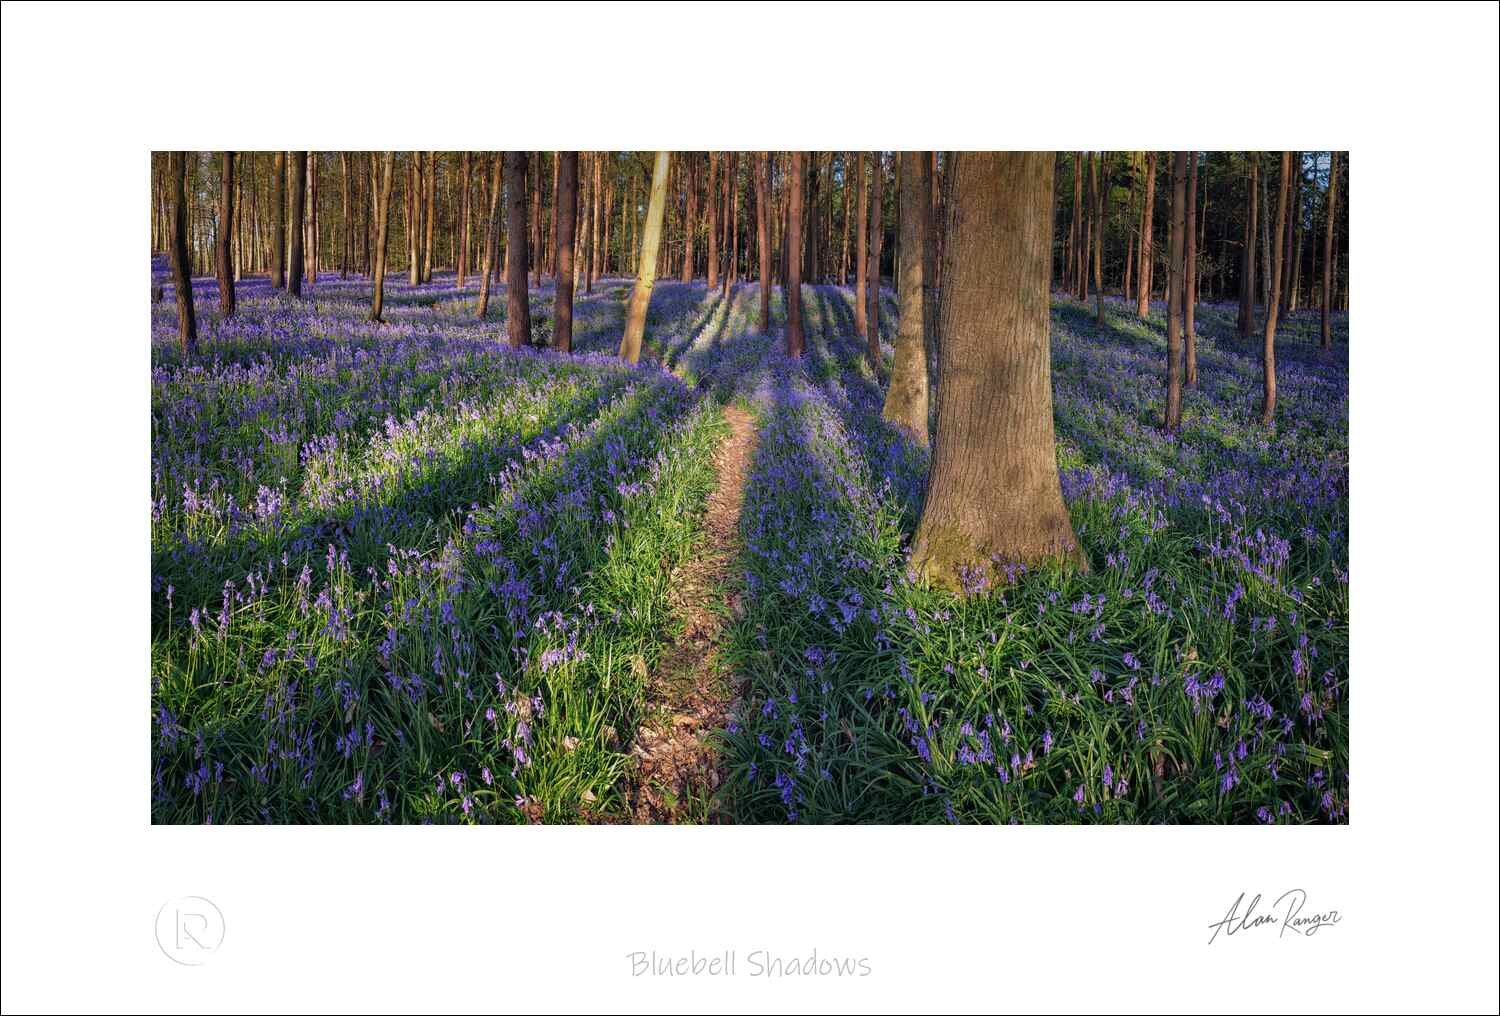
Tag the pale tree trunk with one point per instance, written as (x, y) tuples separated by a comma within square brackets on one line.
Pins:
[(640, 297), (713, 220), (430, 217), (552, 216), (226, 235), (906, 398), (993, 495), (491, 231), (596, 261), (1143, 250), (1173, 417), (795, 343), (872, 278), (763, 236), (689, 169), (465, 172), (278, 219), (182, 273), (565, 205), (1247, 271), (583, 266), (517, 296), (382, 199), (1190, 275), (861, 251), (1268, 355), (1330, 208), (346, 253), (299, 192), (535, 250)]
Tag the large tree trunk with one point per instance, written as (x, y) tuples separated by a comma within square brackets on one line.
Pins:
[(382, 233), (795, 343), (1173, 417), (1268, 401), (278, 232), (1143, 251), (1247, 271), (993, 496), (182, 273), (861, 250), (906, 398), (1330, 208), (872, 279), (1190, 275), (518, 259), (565, 203), (645, 279), (763, 236), (299, 192), (225, 235), (491, 231)]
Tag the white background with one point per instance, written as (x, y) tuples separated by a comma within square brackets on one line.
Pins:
[(524, 919)]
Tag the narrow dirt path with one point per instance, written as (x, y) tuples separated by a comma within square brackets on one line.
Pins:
[(692, 691)]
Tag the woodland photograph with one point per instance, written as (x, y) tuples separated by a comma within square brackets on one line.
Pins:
[(749, 487)]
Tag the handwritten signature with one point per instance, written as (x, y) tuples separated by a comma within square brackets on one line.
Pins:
[(1288, 914)]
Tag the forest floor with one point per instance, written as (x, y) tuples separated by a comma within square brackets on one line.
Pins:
[(692, 692), (402, 573)]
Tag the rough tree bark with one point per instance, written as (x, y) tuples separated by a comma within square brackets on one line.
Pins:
[(1143, 250), (382, 233), (690, 223), (640, 297), (861, 249), (465, 172), (1268, 355), (278, 219), (1190, 276), (1173, 418), (182, 273), (491, 231), (993, 495), (795, 343), (299, 192), (872, 271), (1097, 201), (906, 398), (565, 202), (225, 236), (517, 245)]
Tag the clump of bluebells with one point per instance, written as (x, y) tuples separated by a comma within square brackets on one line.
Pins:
[(1198, 673), (402, 573)]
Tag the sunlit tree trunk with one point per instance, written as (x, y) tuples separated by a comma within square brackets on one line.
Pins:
[(1173, 417), (1330, 209), (732, 231), (382, 199), (795, 343), (1190, 275), (429, 217), (1268, 355), (565, 202), (1143, 250), (1097, 200), (713, 219), (872, 279), (861, 248), (491, 231), (906, 398), (517, 244), (993, 495), (182, 273), (346, 252), (278, 221), (763, 236), (596, 217), (640, 297), (299, 192), (689, 170), (465, 171), (225, 236)]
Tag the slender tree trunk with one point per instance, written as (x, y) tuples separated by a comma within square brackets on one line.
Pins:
[(993, 495), (1173, 417), (430, 216), (182, 275), (731, 228), (225, 236), (491, 229), (1078, 245), (1143, 267), (465, 172), (1330, 208), (278, 219), (596, 261), (763, 236), (861, 258), (535, 250), (518, 257), (1247, 283), (565, 206), (848, 214), (872, 281), (552, 223), (1268, 401), (906, 398), (1098, 204), (382, 199), (312, 217), (640, 297), (689, 169), (1190, 273), (299, 192), (1284, 236), (346, 252), (795, 342)]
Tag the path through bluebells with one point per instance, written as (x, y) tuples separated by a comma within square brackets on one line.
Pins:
[(401, 573)]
